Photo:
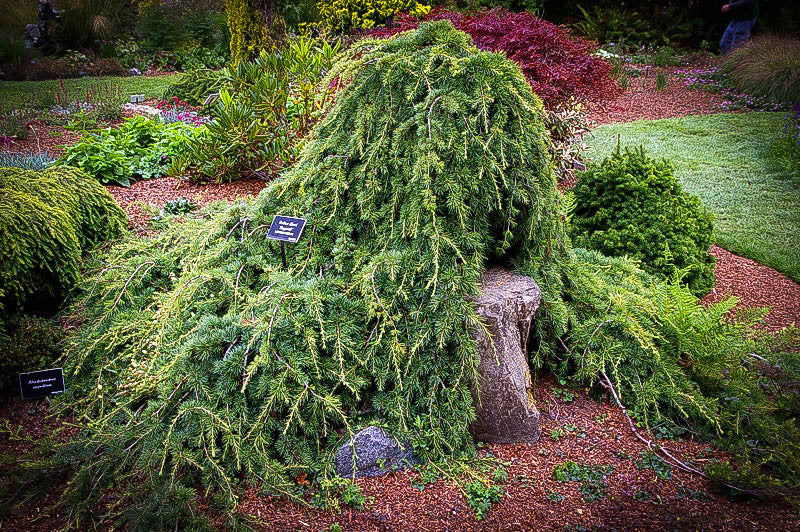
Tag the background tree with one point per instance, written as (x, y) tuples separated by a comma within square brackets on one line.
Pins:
[(254, 25)]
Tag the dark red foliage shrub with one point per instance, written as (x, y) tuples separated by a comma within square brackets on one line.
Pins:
[(557, 65)]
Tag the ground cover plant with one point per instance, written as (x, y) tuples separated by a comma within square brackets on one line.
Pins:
[(632, 205), (139, 148), (785, 149), (716, 80), (724, 159)]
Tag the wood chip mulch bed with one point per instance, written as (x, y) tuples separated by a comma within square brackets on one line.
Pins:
[(636, 498), (154, 193), (45, 138), (641, 101), (756, 285)]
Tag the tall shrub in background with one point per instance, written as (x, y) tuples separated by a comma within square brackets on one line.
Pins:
[(556, 65), (183, 24), (343, 16), (83, 23), (254, 25)]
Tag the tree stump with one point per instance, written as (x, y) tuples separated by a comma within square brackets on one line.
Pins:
[(504, 394)]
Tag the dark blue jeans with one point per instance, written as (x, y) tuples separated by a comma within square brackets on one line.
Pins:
[(736, 34)]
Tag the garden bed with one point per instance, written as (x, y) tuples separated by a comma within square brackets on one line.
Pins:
[(642, 101), (582, 429), (591, 431)]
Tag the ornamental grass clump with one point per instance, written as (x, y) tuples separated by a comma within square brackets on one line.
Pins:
[(768, 66), (204, 360)]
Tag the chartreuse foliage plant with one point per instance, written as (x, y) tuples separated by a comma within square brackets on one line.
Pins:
[(342, 16), (631, 204), (49, 219), (204, 362), (254, 26)]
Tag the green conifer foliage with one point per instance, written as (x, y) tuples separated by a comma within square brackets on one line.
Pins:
[(633, 205), (202, 358), (203, 361), (48, 220)]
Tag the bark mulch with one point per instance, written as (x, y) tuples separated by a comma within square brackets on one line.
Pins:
[(641, 101), (45, 138), (756, 285), (143, 196), (636, 498)]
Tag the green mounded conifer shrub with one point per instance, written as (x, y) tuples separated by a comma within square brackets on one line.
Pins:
[(195, 86), (219, 365), (633, 205), (203, 362), (48, 220)]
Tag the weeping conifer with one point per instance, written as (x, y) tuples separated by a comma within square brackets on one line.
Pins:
[(203, 359)]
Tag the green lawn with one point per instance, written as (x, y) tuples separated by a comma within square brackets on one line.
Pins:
[(724, 160), (16, 94)]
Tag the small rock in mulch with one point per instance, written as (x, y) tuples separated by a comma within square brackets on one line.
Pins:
[(756, 285), (377, 453)]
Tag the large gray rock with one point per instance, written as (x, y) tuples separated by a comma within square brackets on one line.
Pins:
[(504, 395), (373, 447)]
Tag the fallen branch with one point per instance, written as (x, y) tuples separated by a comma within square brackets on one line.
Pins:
[(606, 382)]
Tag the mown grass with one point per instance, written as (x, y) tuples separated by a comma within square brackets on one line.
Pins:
[(725, 160), (19, 94)]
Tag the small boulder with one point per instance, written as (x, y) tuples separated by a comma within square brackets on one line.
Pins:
[(373, 447), (504, 395)]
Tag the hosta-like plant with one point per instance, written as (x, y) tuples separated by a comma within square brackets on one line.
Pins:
[(139, 148)]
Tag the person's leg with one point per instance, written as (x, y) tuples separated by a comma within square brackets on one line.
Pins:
[(727, 39), (741, 33)]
